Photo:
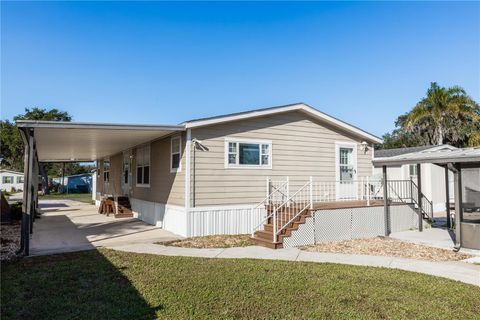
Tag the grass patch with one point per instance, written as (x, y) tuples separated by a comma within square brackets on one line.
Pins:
[(82, 197), (217, 241), (109, 284)]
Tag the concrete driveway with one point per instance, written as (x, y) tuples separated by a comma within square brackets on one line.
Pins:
[(67, 225)]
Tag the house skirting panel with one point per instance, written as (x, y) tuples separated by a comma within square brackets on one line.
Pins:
[(240, 219), (168, 217), (199, 221), (351, 223)]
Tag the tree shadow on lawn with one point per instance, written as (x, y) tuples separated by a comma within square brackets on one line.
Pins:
[(80, 285)]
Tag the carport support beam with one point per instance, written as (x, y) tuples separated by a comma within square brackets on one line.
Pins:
[(419, 197), (457, 181), (447, 198), (385, 201)]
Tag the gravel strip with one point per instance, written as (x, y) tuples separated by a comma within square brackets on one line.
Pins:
[(218, 241), (382, 246), (10, 241)]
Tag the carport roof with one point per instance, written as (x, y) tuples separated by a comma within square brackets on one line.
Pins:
[(80, 141), (468, 156)]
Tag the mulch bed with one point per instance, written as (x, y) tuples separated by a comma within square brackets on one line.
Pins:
[(10, 240), (382, 246), (218, 241)]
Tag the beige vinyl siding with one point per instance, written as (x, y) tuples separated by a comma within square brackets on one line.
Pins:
[(114, 186), (301, 147), (116, 163), (165, 187)]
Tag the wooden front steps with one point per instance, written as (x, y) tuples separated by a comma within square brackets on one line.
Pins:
[(264, 237), (123, 207)]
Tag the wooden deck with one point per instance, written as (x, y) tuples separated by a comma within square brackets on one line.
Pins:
[(347, 204)]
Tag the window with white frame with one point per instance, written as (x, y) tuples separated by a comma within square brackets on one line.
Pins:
[(248, 153), (7, 179), (175, 154), (106, 170), (20, 179), (143, 166)]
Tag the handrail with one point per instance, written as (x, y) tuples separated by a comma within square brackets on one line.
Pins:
[(263, 203), (287, 202)]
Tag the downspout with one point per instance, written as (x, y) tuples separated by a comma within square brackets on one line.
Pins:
[(193, 177), (187, 180)]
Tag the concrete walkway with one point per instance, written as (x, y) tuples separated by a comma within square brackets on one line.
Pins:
[(67, 225), (459, 271), (71, 226), (433, 237)]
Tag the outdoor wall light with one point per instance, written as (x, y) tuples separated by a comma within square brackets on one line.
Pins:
[(365, 147)]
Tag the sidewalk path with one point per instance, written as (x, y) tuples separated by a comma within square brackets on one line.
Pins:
[(460, 271)]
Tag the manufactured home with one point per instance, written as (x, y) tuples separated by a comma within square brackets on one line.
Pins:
[(289, 175), (11, 180), (219, 167)]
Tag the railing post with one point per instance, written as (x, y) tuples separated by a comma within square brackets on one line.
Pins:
[(311, 192), (274, 225), (385, 202), (288, 189), (419, 191), (252, 212), (268, 187), (411, 189), (368, 191)]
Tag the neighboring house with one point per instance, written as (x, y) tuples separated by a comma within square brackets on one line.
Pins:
[(433, 176), (11, 180), (79, 183), (216, 167)]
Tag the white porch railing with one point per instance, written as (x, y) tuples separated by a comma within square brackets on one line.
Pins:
[(277, 192), (332, 191), (294, 206)]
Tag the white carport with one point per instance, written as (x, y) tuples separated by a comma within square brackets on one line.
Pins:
[(467, 232), (52, 141)]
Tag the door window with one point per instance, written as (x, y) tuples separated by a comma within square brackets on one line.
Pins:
[(346, 164)]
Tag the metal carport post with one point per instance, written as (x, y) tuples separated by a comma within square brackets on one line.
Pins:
[(30, 194)]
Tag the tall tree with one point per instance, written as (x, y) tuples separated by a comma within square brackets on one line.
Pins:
[(441, 114), (11, 142), (445, 115)]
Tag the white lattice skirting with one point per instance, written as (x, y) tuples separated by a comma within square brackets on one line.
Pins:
[(352, 223)]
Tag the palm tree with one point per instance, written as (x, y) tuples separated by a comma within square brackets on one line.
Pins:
[(439, 109)]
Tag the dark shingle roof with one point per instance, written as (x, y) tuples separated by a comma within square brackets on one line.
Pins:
[(387, 153)]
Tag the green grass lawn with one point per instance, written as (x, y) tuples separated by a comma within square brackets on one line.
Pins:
[(108, 284), (82, 197)]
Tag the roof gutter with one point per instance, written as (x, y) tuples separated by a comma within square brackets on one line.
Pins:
[(91, 125)]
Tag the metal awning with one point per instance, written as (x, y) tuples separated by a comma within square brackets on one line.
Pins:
[(76, 141), (466, 156)]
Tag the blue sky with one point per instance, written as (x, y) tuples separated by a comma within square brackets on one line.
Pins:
[(155, 62)]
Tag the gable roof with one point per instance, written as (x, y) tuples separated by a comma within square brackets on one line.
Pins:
[(302, 107), (388, 153)]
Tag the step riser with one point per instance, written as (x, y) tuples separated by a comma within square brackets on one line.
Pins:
[(265, 237)]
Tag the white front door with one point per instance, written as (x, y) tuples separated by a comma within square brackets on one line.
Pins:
[(346, 172)]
